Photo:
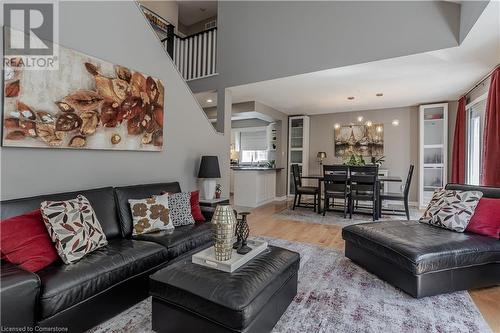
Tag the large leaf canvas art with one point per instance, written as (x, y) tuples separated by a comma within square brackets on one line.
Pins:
[(87, 103)]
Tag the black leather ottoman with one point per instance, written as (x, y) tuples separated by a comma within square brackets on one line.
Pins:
[(192, 298)]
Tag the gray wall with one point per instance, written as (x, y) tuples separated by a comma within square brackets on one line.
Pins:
[(262, 40), (469, 13), (117, 32), (400, 142)]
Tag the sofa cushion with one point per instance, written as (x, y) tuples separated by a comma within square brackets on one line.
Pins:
[(18, 297), (150, 214), (181, 239), (123, 194), (180, 208), (421, 248), (486, 218), (451, 209), (101, 199), (73, 227), (24, 241), (195, 207), (66, 285)]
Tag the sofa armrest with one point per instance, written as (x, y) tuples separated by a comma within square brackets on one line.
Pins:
[(207, 212), (19, 296)]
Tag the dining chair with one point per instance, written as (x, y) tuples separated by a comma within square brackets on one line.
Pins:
[(364, 187), (399, 196), (303, 190), (336, 185)]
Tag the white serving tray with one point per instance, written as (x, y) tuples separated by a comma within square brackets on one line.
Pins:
[(207, 257)]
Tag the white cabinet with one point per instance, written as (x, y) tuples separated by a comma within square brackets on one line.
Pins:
[(433, 161), (254, 188), (298, 147)]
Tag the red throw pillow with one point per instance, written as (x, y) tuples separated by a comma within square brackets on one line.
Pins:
[(195, 207), (24, 241), (486, 218)]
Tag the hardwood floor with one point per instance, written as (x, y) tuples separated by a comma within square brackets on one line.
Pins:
[(263, 223)]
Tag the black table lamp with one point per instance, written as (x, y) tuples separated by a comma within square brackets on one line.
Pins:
[(209, 170)]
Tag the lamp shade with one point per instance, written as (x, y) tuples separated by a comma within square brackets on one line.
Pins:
[(321, 155), (209, 167)]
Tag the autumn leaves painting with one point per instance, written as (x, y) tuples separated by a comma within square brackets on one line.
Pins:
[(86, 104)]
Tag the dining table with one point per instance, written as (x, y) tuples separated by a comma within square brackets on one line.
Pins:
[(380, 179)]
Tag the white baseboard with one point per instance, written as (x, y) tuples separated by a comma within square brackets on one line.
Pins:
[(283, 198)]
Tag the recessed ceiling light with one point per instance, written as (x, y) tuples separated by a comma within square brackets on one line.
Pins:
[(350, 98), (395, 122), (379, 94), (360, 118), (209, 100)]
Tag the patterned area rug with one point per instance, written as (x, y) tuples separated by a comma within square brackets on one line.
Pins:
[(335, 295), (335, 217)]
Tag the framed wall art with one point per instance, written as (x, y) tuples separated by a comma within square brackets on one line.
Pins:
[(359, 139), (87, 103)]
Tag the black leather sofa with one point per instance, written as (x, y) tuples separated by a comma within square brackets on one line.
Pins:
[(423, 260), (103, 283)]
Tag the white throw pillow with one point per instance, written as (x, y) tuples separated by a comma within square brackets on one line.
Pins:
[(150, 215), (451, 209), (73, 227)]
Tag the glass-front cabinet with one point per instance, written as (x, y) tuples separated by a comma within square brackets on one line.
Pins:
[(298, 147), (433, 150)]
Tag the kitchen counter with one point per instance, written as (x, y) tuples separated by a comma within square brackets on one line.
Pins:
[(254, 186), (251, 168)]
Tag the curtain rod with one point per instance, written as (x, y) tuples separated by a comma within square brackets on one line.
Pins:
[(482, 80)]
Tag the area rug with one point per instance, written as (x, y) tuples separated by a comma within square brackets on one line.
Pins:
[(335, 217), (335, 295)]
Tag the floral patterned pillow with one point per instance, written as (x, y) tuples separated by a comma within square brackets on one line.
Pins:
[(451, 209), (73, 227), (150, 215)]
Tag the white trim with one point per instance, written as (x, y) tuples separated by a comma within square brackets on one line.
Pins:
[(283, 198), (202, 77), (477, 100), (444, 166)]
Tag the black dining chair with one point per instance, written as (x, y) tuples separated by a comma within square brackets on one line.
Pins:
[(364, 187), (303, 190), (336, 186), (399, 196)]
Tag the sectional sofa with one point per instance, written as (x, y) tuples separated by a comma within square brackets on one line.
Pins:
[(106, 281), (424, 260)]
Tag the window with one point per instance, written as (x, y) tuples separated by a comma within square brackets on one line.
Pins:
[(248, 156), (475, 123)]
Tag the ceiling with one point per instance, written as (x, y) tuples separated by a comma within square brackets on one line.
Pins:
[(191, 12), (207, 99), (441, 75)]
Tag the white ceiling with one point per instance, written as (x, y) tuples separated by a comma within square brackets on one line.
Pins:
[(191, 12), (204, 97), (441, 75)]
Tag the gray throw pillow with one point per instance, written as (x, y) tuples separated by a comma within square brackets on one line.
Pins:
[(180, 208), (451, 209)]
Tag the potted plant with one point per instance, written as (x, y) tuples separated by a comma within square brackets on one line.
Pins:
[(218, 191), (354, 159)]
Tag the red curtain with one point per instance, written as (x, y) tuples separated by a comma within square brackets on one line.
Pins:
[(491, 139), (458, 154)]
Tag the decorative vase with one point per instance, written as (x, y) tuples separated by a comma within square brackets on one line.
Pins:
[(223, 226)]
